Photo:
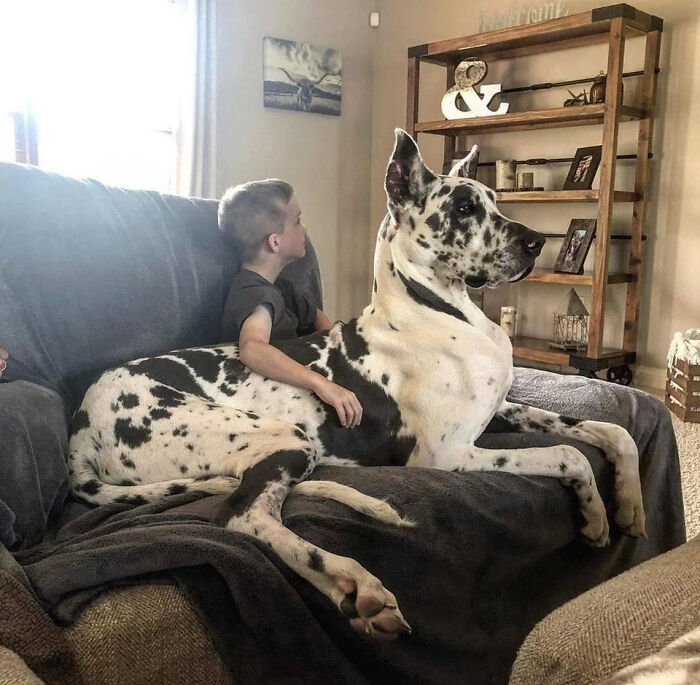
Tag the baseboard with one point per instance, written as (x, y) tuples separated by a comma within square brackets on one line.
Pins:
[(649, 377)]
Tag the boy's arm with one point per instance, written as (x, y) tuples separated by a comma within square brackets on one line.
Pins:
[(322, 323), (255, 351)]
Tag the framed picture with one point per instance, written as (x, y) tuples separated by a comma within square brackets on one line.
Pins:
[(576, 245), (302, 77), (584, 168)]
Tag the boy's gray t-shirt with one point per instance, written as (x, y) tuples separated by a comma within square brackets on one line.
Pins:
[(291, 311)]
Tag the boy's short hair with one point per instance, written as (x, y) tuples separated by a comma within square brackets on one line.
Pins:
[(249, 212)]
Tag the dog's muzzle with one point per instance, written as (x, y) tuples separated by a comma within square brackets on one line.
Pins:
[(529, 244)]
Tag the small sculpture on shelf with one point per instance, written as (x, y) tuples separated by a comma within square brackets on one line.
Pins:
[(571, 329), (576, 100), (598, 89), (462, 101)]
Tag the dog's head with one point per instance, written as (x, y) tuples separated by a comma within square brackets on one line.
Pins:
[(451, 224)]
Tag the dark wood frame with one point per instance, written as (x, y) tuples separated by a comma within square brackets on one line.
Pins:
[(576, 267), (611, 25), (595, 151)]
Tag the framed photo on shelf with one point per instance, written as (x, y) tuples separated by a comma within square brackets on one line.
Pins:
[(584, 168), (574, 251)]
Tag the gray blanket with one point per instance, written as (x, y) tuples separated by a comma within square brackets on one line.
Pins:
[(493, 553)]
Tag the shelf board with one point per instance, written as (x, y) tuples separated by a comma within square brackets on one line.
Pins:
[(520, 121), (563, 196), (546, 276), (585, 28), (536, 349)]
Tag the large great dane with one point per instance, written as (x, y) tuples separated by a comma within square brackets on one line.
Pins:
[(430, 370)]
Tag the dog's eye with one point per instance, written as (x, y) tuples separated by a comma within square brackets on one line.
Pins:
[(464, 208)]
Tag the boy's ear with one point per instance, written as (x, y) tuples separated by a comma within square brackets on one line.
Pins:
[(273, 241)]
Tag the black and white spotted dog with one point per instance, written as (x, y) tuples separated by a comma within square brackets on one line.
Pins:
[(430, 370)]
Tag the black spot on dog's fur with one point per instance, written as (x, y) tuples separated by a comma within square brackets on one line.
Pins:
[(385, 378), (434, 222), (91, 487), (375, 441), (315, 561), (80, 420), (170, 373), (568, 421), (205, 364), (129, 401), (127, 462), (130, 435), (167, 397), (177, 489), (355, 344), (158, 414), (136, 500)]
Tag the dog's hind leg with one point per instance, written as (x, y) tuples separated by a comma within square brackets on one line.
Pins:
[(255, 509), (369, 506), (617, 444), (563, 462)]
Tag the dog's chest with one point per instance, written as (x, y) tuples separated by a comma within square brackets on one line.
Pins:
[(448, 383)]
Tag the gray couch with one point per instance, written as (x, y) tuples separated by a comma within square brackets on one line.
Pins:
[(92, 276)]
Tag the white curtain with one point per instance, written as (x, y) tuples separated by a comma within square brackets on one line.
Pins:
[(196, 134)]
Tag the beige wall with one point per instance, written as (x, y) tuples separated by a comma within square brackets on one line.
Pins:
[(325, 158), (671, 297)]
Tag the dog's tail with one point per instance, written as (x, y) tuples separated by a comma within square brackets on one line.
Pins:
[(88, 488), (369, 506)]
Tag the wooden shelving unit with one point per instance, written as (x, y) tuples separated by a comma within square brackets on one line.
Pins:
[(611, 25)]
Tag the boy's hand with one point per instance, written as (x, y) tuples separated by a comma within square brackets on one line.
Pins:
[(343, 401)]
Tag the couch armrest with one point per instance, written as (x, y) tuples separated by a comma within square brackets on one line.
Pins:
[(615, 624), (33, 471)]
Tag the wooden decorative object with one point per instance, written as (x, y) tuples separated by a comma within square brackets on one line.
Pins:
[(683, 390)]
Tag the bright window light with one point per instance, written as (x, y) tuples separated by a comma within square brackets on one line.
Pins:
[(103, 78)]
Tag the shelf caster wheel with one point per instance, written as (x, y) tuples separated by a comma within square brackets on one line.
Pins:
[(587, 373), (620, 374)]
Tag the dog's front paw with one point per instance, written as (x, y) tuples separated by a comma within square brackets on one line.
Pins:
[(629, 513), (630, 516), (596, 533)]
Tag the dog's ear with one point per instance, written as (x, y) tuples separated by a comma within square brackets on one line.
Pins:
[(462, 167), (407, 178)]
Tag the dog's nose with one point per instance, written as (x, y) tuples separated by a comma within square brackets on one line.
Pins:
[(533, 242)]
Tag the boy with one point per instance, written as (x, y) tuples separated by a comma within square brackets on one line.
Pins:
[(262, 220)]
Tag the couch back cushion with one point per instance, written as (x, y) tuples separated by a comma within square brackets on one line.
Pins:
[(92, 276)]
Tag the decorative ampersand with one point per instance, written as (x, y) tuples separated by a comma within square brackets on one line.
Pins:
[(463, 93)]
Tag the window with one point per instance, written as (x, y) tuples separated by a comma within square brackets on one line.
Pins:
[(102, 79)]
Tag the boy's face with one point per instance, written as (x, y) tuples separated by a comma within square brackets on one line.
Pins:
[(292, 240)]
